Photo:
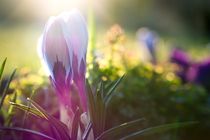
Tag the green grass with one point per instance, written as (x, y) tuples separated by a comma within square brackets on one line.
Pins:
[(19, 45)]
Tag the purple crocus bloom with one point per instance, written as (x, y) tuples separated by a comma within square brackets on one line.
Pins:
[(199, 73), (149, 39), (63, 47), (180, 57), (203, 74), (192, 72)]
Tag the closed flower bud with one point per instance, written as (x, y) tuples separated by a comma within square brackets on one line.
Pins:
[(63, 50)]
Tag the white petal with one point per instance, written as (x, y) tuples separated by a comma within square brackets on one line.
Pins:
[(75, 33), (54, 46)]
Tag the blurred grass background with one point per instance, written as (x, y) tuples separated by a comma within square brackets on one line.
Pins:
[(184, 23), (18, 44)]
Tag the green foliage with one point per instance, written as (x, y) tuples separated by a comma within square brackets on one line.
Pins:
[(121, 130), (110, 89), (97, 109), (156, 129), (159, 96), (59, 129), (4, 91), (2, 67), (167, 99), (98, 101)]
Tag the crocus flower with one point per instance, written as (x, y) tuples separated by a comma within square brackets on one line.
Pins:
[(63, 48), (203, 74), (192, 72), (180, 57), (149, 39), (199, 73)]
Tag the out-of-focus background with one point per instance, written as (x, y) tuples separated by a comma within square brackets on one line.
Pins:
[(162, 46), (22, 21)]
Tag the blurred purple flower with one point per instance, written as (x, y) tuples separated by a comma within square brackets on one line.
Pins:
[(180, 57), (192, 72), (203, 74), (199, 73), (149, 39), (63, 48)]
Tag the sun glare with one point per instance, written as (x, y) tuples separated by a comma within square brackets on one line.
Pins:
[(53, 7), (56, 5)]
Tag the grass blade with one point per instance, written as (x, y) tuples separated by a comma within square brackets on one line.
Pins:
[(28, 109), (156, 129), (10, 114), (100, 111), (37, 113), (112, 87), (123, 129), (60, 128), (2, 67), (6, 88), (91, 106)]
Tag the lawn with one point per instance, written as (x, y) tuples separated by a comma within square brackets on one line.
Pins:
[(19, 45)]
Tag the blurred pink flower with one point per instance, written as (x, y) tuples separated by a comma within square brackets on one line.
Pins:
[(63, 48)]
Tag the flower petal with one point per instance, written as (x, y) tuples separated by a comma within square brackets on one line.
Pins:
[(54, 46)]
